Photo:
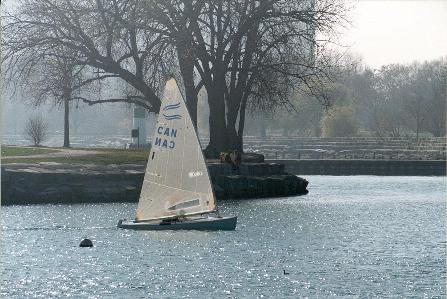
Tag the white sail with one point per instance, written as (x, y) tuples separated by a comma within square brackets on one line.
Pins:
[(176, 181)]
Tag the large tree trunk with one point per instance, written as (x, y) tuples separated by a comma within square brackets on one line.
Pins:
[(66, 122), (240, 131), (234, 135), (186, 62), (218, 129), (233, 139), (232, 113), (225, 133)]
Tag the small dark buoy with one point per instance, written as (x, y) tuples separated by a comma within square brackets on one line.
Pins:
[(86, 243), (285, 273)]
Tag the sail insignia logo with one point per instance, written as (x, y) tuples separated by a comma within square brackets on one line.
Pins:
[(169, 113), (194, 174)]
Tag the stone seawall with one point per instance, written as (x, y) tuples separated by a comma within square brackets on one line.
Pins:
[(67, 183), (365, 167)]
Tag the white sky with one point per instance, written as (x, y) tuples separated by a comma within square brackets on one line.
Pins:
[(393, 31), (397, 31)]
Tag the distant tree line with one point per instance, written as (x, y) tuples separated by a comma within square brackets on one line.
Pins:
[(395, 100), (403, 98), (246, 54)]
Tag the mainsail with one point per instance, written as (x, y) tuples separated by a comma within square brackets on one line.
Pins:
[(176, 181)]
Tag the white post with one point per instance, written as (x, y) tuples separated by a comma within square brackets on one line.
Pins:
[(139, 122)]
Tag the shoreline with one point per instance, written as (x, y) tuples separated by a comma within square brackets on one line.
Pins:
[(51, 182), (89, 183)]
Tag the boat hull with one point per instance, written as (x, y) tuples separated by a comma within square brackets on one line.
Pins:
[(204, 223)]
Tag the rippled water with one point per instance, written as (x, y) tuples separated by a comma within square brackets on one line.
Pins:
[(350, 236)]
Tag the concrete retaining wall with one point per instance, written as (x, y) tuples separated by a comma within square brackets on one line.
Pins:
[(365, 167)]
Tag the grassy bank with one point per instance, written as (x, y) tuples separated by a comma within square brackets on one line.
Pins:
[(25, 151), (97, 156)]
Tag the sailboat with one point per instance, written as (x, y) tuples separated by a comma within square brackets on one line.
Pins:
[(177, 193)]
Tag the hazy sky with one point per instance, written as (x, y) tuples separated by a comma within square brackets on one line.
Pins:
[(388, 31), (384, 32)]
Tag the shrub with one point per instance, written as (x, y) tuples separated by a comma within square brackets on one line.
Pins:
[(339, 122), (36, 130)]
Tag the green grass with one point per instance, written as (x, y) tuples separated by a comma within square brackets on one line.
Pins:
[(25, 151), (91, 159), (105, 156)]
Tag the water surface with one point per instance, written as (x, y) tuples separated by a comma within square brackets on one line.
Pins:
[(359, 236)]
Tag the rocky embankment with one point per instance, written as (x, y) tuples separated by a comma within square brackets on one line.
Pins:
[(76, 183)]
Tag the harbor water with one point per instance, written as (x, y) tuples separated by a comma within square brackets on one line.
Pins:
[(352, 236)]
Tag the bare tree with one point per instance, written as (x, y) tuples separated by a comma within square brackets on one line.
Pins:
[(99, 34), (392, 84), (58, 80), (247, 53), (36, 130), (416, 99), (398, 99), (53, 77), (56, 49), (428, 107), (437, 106)]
